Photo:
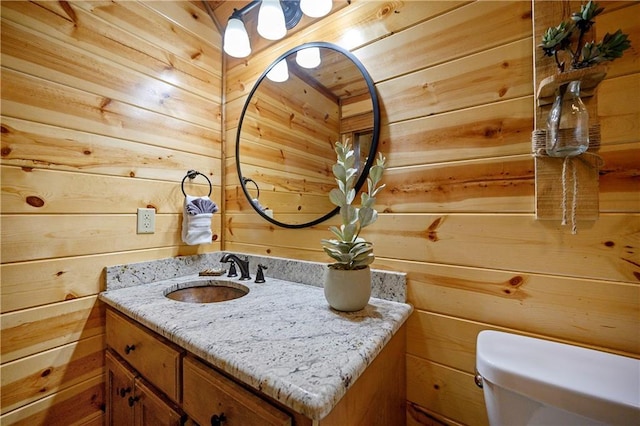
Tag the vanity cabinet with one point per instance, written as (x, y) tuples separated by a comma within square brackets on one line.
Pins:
[(131, 401), (145, 382), (152, 381)]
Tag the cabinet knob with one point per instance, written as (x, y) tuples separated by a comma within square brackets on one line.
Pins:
[(133, 400), (124, 391), (129, 348), (216, 420)]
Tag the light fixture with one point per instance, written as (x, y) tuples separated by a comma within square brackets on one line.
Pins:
[(279, 72), (275, 17), (315, 8), (271, 20), (309, 57), (236, 40)]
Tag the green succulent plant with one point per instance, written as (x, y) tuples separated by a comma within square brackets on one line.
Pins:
[(611, 47), (557, 39), (348, 249), (582, 55)]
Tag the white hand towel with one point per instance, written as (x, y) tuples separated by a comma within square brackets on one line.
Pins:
[(196, 220)]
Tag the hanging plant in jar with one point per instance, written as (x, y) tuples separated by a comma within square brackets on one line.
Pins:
[(347, 284), (568, 120)]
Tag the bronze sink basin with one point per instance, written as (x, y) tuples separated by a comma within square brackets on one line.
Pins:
[(207, 292)]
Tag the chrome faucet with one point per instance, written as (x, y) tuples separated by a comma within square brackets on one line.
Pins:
[(243, 264)]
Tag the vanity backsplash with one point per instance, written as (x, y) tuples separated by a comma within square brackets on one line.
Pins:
[(385, 284)]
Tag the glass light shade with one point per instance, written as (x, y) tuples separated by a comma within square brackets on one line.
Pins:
[(271, 20), (309, 57), (236, 40), (316, 8), (280, 72)]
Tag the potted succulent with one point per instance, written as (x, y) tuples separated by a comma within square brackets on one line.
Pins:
[(347, 284)]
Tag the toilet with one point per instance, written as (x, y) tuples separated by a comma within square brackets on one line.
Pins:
[(528, 381)]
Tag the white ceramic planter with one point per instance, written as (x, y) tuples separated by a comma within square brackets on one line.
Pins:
[(347, 291)]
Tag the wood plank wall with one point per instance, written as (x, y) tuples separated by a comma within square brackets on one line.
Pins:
[(105, 106), (456, 84)]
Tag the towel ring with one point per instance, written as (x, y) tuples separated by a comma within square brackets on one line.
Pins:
[(191, 174), (246, 179)]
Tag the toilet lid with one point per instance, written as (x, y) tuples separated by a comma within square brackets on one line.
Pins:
[(596, 384)]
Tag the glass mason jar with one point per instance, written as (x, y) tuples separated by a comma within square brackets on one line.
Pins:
[(568, 123)]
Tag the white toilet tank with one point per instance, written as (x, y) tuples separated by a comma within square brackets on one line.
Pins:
[(529, 381)]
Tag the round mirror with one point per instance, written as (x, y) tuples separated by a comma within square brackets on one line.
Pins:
[(308, 99)]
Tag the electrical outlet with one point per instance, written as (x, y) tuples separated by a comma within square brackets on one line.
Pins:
[(146, 221)]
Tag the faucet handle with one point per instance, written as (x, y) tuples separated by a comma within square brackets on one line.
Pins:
[(232, 269), (260, 274)]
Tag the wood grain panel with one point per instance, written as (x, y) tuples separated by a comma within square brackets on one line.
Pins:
[(280, 202), (316, 255), (620, 128), (34, 190), (356, 105), (446, 340), (81, 404), (35, 145), (489, 76), (193, 17), (293, 180), (447, 37), (608, 249), (259, 159), (420, 416), (504, 184), (619, 184), (232, 110), (386, 371), (27, 332), (49, 236), (45, 102), (27, 51), (466, 186), (95, 35), (35, 283), (300, 114), (626, 19), (29, 379), (134, 17), (498, 129), (447, 391), (621, 97), (451, 340)]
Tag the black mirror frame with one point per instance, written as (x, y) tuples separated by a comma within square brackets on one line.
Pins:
[(374, 142)]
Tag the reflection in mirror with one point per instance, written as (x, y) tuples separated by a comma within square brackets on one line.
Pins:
[(288, 128)]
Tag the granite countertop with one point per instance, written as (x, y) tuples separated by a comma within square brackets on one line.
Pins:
[(281, 338)]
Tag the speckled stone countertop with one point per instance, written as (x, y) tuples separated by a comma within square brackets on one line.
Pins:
[(281, 338)]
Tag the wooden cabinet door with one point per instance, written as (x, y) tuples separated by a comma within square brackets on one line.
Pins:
[(152, 410), (133, 402), (207, 393), (120, 387)]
